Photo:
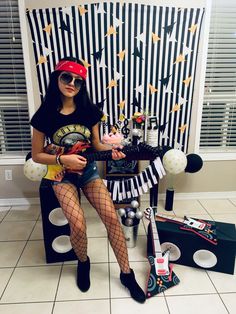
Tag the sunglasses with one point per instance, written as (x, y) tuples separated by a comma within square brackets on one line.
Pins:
[(67, 78)]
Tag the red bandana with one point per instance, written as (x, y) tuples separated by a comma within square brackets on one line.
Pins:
[(70, 66)]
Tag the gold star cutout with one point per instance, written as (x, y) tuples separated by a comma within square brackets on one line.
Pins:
[(111, 31), (112, 83), (180, 58), (121, 55), (193, 28), (82, 10), (187, 81), (175, 108), (48, 29), (104, 118), (85, 63), (122, 117), (121, 104), (42, 60), (152, 88), (155, 37), (183, 128)]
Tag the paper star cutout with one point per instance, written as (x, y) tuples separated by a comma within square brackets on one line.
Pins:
[(175, 108), (152, 89), (101, 62), (168, 88), (182, 128), (164, 135), (193, 28), (65, 27), (122, 117), (121, 55), (104, 117), (82, 10), (111, 31), (139, 89), (141, 37), (98, 54), (137, 53), (47, 51), (48, 29), (66, 10), (42, 60), (187, 81), (182, 101), (85, 63), (177, 145), (187, 50), (112, 83), (180, 58), (155, 38), (165, 80), (163, 127), (122, 104), (99, 9), (117, 22), (117, 75), (169, 28)]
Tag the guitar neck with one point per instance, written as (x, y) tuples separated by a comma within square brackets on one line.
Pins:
[(174, 219), (156, 240)]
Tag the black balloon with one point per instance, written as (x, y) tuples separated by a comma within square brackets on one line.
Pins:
[(28, 156), (194, 163)]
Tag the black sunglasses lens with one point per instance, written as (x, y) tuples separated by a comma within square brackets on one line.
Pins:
[(78, 83), (66, 78)]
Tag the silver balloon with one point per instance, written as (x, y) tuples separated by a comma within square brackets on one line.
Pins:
[(137, 132), (134, 204), (139, 214), (121, 212), (128, 222), (131, 214)]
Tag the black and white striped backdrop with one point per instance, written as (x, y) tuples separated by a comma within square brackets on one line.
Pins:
[(139, 58)]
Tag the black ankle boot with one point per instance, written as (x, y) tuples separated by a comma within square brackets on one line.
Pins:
[(83, 279), (128, 280)]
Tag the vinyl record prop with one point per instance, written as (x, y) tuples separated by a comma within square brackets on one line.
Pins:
[(213, 247), (161, 276)]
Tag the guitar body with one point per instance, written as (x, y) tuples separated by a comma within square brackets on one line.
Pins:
[(157, 284)]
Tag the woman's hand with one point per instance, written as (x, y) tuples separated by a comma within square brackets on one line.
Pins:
[(73, 163), (117, 154)]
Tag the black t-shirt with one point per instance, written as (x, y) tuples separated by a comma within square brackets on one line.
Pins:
[(63, 129)]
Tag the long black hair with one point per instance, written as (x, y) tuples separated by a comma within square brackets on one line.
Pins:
[(52, 100)]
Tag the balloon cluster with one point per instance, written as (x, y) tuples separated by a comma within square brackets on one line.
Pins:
[(175, 162), (130, 215)]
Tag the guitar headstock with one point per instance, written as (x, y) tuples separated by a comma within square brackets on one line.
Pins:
[(149, 213)]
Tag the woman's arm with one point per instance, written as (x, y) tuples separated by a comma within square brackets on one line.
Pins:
[(71, 162)]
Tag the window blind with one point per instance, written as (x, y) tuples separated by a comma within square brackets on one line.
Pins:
[(218, 130), (15, 134)]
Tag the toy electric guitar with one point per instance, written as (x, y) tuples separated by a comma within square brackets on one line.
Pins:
[(132, 152), (161, 276), (201, 228)]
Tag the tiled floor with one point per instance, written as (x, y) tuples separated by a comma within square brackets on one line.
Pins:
[(29, 285)]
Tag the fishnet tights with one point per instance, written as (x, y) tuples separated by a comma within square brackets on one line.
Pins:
[(99, 197)]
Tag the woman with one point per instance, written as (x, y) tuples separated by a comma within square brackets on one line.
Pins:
[(65, 117)]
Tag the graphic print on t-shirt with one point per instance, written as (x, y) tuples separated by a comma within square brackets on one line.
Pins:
[(70, 134)]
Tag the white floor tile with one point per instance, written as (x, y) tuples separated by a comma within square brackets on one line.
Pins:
[(138, 253), (37, 233), (141, 270), (28, 308), (223, 282), (5, 274), (98, 250), (85, 307), (188, 207), (15, 230), (195, 304), (4, 209), (152, 305), (229, 300), (33, 255), (99, 288), (192, 281), (2, 215), (10, 253), (32, 284), (95, 227), (233, 200), (218, 206), (20, 213)]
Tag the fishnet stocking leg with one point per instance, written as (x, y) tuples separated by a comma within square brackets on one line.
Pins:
[(68, 198), (99, 197)]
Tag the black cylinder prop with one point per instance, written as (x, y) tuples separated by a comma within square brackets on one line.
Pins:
[(169, 199)]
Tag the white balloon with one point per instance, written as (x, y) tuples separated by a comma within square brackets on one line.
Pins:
[(134, 204), (34, 171), (174, 161)]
